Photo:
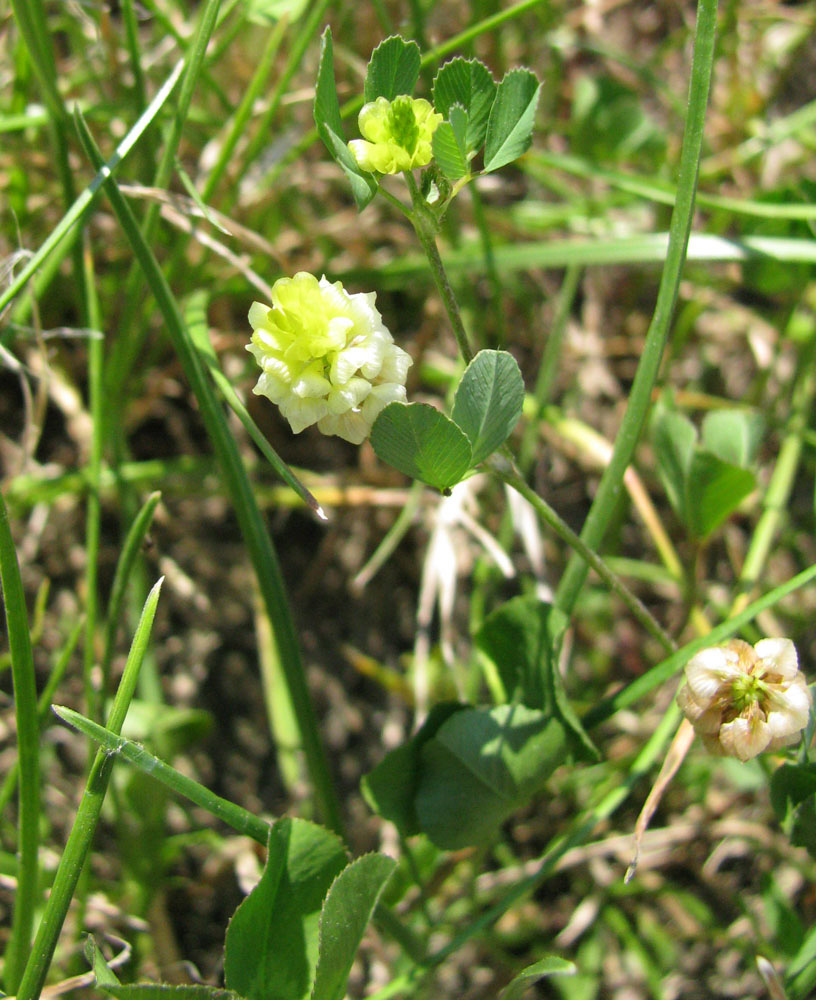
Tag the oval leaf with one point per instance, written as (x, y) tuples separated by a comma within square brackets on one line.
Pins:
[(480, 767), (467, 82), (488, 401), (393, 69), (733, 435), (512, 117), (272, 940), (390, 789), (346, 913), (423, 443), (520, 638), (714, 490)]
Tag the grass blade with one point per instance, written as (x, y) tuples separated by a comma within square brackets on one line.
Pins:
[(603, 506), (79, 840), (28, 737), (240, 819)]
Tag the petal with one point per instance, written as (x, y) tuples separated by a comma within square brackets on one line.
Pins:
[(350, 426), (362, 153), (395, 365), (347, 362), (346, 397), (745, 738), (781, 653), (373, 119), (789, 709), (259, 315), (709, 669), (272, 387), (379, 397), (302, 413), (310, 385)]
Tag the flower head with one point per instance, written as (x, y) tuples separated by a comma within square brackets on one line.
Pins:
[(746, 699), (399, 134), (326, 357)]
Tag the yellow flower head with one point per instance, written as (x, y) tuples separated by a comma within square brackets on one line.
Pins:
[(745, 699), (325, 356), (399, 134)]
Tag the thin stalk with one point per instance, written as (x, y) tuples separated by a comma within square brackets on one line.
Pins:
[(128, 344), (258, 542), (424, 226), (93, 514), (551, 519), (116, 746), (87, 817), (28, 737), (611, 484), (307, 32), (139, 88), (489, 262)]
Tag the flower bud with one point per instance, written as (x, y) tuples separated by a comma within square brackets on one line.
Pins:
[(399, 134), (325, 356), (743, 700)]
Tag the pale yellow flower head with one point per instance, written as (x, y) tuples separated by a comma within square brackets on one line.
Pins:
[(743, 700), (326, 357), (399, 134)]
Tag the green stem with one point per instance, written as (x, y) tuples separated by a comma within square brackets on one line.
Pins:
[(128, 343), (28, 738), (424, 226), (493, 279), (94, 509), (611, 484), (87, 817), (549, 517)]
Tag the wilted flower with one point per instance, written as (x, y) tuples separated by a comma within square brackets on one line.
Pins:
[(326, 357), (746, 699), (399, 134)]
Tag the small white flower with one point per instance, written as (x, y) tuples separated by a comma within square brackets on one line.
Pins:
[(743, 699), (325, 356)]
